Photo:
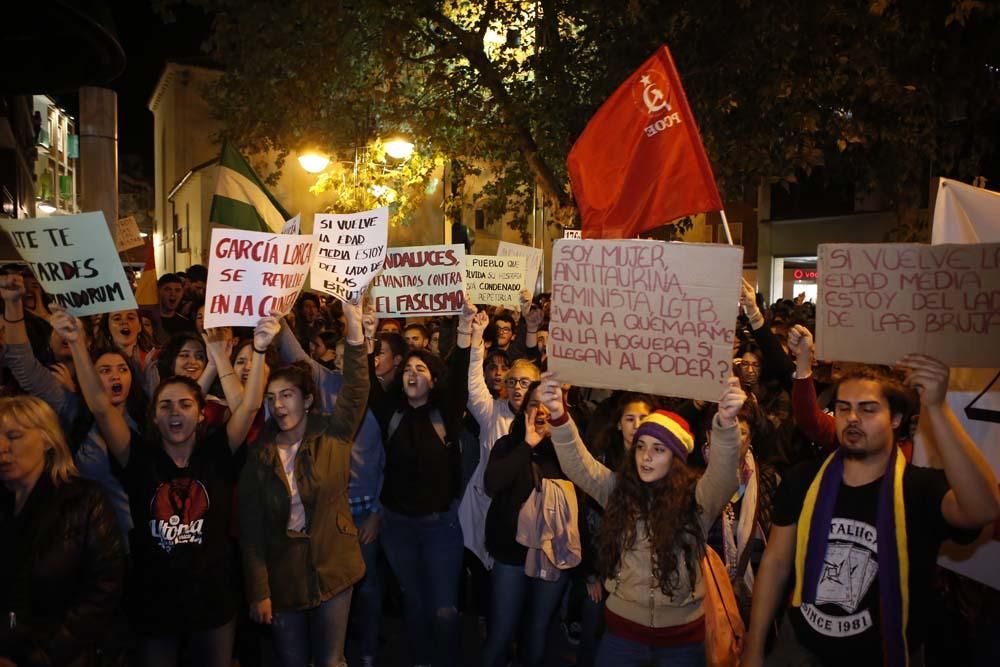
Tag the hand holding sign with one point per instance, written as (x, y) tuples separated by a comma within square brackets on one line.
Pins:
[(928, 376), (12, 288), (479, 324), (265, 332), (733, 398), (551, 395), (68, 327), (354, 333)]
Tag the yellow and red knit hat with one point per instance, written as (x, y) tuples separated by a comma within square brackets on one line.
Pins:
[(669, 428)]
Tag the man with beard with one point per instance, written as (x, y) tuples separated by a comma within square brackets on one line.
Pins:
[(167, 319), (861, 531)]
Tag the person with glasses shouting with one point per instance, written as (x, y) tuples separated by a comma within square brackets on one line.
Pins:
[(494, 416)]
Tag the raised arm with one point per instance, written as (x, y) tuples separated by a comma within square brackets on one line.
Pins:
[(769, 591), (241, 418), (33, 377), (580, 466), (721, 479), (813, 422), (776, 364), (110, 420), (973, 500), (481, 403), (219, 348), (353, 396)]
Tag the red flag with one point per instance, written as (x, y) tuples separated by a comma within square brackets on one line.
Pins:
[(640, 163)]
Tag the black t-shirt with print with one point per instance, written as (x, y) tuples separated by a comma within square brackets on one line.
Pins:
[(183, 572), (843, 626)]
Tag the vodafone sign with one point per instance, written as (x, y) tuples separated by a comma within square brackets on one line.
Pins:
[(804, 274)]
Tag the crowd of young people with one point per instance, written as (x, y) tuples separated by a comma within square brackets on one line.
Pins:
[(167, 490)]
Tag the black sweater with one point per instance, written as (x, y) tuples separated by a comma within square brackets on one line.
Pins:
[(510, 477)]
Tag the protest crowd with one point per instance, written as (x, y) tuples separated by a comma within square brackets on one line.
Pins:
[(176, 495)]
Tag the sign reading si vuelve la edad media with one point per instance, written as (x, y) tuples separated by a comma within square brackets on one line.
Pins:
[(645, 316), (252, 274), (350, 249), (75, 260), (420, 280), (879, 301)]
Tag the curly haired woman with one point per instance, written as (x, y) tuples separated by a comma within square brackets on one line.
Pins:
[(657, 512)]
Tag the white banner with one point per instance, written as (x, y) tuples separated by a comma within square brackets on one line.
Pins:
[(421, 280), (495, 281), (350, 250), (75, 260), (252, 274)]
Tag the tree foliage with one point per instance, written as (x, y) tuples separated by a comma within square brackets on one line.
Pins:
[(881, 93)]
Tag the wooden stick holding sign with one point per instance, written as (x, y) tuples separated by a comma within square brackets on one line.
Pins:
[(644, 315)]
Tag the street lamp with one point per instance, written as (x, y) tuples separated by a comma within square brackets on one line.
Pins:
[(399, 148), (314, 162)]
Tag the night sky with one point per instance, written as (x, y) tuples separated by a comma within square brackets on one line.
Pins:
[(148, 43)]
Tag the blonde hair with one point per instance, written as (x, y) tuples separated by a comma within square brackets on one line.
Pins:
[(526, 366), (34, 413)]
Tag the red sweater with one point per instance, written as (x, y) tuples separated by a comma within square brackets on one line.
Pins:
[(817, 425)]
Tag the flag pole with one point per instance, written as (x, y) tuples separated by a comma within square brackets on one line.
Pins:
[(725, 224)]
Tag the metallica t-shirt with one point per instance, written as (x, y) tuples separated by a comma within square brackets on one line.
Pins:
[(842, 626), (183, 563)]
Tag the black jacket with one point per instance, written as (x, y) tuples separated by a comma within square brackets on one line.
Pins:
[(62, 573), (513, 471)]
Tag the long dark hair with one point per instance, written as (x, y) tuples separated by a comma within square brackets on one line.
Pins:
[(107, 341), (152, 432), (609, 443), (168, 355), (438, 396), (671, 513)]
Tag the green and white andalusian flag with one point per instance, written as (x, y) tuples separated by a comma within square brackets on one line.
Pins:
[(241, 200)]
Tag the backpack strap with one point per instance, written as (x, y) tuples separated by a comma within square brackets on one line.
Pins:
[(437, 421)]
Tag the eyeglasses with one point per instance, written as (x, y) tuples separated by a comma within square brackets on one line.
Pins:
[(503, 329), (523, 383)]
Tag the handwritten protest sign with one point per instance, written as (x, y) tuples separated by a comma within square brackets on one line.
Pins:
[(644, 315), (534, 258), (496, 281), (75, 260), (127, 234), (292, 225), (251, 274), (421, 280), (350, 250), (877, 302)]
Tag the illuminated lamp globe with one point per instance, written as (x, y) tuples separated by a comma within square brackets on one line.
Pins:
[(313, 162), (399, 149)]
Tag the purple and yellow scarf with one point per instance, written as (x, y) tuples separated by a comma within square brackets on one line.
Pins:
[(813, 531)]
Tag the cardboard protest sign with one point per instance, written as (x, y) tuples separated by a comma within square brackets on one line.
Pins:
[(292, 225), (251, 274), (645, 316), (495, 281), (534, 258), (127, 234), (879, 301), (350, 250), (75, 260), (421, 280)]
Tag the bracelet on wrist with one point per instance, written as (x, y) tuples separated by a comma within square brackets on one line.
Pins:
[(225, 375), (10, 321), (463, 331), (264, 351)]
